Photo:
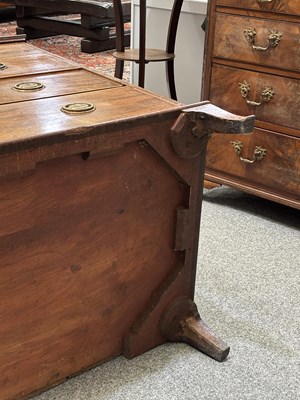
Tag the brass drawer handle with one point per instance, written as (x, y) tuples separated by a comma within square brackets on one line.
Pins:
[(273, 39), (2, 66), (259, 152), (266, 3), (266, 95)]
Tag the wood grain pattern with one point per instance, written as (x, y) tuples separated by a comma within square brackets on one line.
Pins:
[(230, 41), (88, 219), (19, 58), (68, 272), (44, 118), (100, 217), (280, 6), (279, 168), (61, 83), (227, 93), (230, 61)]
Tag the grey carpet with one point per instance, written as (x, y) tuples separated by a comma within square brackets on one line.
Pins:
[(247, 291)]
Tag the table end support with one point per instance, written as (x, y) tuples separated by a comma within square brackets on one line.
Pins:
[(181, 322)]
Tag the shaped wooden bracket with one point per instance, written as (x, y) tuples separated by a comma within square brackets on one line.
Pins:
[(193, 128), (181, 322), (170, 314)]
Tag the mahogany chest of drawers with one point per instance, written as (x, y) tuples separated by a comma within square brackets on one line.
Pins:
[(252, 66), (100, 198)]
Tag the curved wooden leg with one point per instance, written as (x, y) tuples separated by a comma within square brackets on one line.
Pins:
[(171, 39), (171, 79), (182, 323)]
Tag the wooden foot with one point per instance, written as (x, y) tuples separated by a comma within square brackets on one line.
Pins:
[(182, 323), (210, 184)]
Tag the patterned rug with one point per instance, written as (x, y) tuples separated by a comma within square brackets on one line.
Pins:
[(69, 48)]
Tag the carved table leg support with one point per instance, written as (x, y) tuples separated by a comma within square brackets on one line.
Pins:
[(189, 136), (170, 313), (182, 323), (195, 125)]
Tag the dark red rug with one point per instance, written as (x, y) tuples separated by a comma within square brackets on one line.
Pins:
[(69, 47)]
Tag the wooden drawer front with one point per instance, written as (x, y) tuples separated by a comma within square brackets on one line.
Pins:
[(282, 109), (280, 6), (231, 42), (279, 168), (20, 58), (61, 83), (44, 117)]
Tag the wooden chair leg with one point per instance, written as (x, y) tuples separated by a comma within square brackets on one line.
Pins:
[(141, 74), (171, 39), (142, 43), (171, 79), (120, 37), (119, 69)]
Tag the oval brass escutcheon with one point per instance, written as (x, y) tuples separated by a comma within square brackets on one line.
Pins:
[(78, 108), (2, 66), (28, 86)]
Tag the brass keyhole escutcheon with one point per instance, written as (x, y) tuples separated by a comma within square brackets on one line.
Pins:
[(78, 108), (29, 86)]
